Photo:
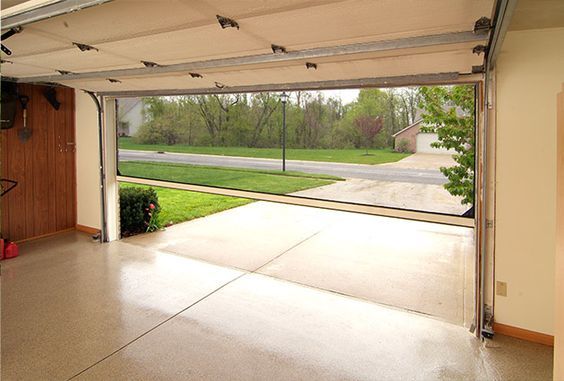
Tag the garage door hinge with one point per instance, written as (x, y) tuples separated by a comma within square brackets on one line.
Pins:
[(84, 47), (482, 25), (479, 49), (226, 22), (478, 69)]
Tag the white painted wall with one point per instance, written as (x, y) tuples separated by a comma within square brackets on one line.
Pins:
[(559, 274), (135, 118), (87, 162), (423, 142), (530, 72)]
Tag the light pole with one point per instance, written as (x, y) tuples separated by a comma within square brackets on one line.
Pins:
[(284, 99)]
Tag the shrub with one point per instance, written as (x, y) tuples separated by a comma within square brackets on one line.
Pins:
[(136, 215), (449, 111), (403, 146), (123, 128)]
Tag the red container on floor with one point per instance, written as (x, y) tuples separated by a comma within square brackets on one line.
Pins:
[(10, 250)]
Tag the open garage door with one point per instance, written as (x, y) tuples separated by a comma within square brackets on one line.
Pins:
[(122, 49), (116, 49)]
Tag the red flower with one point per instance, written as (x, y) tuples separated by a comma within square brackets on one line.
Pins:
[(152, 206)]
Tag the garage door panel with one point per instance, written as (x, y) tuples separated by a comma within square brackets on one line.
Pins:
[(16, 69), (75, 60), (126, 33), (209, 42), (367, 20)]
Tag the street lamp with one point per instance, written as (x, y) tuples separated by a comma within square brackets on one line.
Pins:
[(284, 99)]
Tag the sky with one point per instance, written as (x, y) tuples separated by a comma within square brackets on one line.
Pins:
[(347, 96)]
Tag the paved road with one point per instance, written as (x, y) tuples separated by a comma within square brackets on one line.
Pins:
[(355, 171)]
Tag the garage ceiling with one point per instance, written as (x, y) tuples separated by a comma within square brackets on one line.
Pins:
[(186, 49)]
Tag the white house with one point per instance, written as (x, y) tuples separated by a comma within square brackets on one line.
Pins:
[(130, 116)]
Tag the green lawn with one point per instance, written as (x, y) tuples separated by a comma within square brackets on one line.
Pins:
[(357, 156), (277, 182), (179, 206)]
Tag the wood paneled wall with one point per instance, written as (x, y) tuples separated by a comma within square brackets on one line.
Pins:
[(44, 201)]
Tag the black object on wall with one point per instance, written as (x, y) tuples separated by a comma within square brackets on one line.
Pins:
[(9, 100), (51, 95)]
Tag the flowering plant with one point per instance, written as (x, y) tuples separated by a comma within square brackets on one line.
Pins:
[(153, 223)]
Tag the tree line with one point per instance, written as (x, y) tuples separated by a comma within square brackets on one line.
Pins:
[(254, 120), (315, 121)]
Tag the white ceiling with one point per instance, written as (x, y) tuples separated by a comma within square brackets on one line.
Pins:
[(169, 32)]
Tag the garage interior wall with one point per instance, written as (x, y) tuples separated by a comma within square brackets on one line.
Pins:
[(559, 327), (87, 162), (530, 73)]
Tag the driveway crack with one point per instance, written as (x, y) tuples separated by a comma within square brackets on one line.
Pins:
[(287, 250)]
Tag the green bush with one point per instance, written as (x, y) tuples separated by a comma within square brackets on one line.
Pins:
[(403, 146), (136, 215)]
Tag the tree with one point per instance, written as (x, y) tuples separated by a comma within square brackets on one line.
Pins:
[(368, 127), (372, 103), (409, 98), (215, 111), (313, 120), (164, 124), (314, 113), (449, 111), (262, 107)]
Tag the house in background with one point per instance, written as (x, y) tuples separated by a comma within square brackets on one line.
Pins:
[(130, 116), (406, 139), (412, 139)]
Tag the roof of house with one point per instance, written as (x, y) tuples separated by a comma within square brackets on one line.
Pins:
[(416, 123)]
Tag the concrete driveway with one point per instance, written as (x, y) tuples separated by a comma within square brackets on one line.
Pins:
[(404, 195), (417, 266), (415, 196), (422, 161)]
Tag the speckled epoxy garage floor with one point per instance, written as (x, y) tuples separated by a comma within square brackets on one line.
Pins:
[(141, 309)]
